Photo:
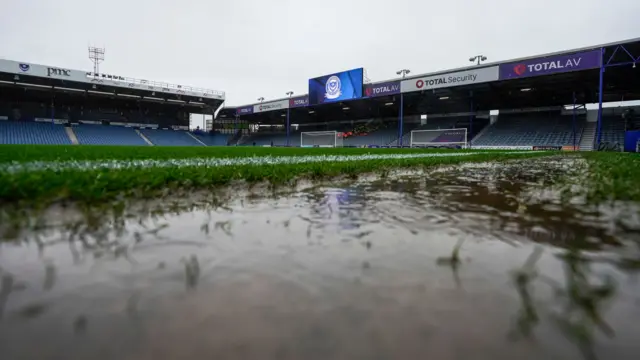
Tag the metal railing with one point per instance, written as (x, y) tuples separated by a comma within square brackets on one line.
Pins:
[(162, 85)]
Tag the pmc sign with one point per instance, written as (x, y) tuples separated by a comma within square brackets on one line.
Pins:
[(58, 72)]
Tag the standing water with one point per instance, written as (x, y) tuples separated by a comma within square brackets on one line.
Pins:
[(479, 261)]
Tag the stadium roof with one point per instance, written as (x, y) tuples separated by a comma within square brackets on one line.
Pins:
[(15, 73), (500, 89), (635, 41)]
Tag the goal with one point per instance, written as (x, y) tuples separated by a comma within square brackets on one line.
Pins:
[(320, 139), (439, 137)]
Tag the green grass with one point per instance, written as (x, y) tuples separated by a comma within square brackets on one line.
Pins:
[(94, 185), (610, 176), (23, 153)]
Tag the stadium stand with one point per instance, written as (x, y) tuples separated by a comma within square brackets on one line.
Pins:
[(361, 134), (27, 132), (107, 135), (214, 139), (40, 105), (452, 136), (613, 128), (32, 113), (371, 133), (377, 137), (275, 139), (437, 124), (100, 115), (163, 137), (27, 111), (531, 129)]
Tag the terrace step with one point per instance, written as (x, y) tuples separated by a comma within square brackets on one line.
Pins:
[(196, 139), (243, 140), (72, 135), (588, 136), (486, 128), (144, 137)]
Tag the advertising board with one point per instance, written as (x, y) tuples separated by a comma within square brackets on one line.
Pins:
[(500, 147), (459, 78), (61, 73), (546, 148), (299, 101), (270, 106), (382, 89), (551, 65), (245, 110)]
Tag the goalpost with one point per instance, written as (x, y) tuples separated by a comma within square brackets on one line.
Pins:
[(320, 139), (439, 137)]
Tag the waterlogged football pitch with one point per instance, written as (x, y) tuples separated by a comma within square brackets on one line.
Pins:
[(96, 173), (46, 174), (271, 253)]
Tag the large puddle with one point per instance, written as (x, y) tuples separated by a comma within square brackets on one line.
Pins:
[(344, 270)]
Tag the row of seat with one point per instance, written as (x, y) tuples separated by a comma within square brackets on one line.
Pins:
[(613, 129), (107, 135), (510, 130), (55, 134), (32, 133), (432, 124), (531, 130)]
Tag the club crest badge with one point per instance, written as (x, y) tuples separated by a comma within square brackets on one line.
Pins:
[(332, 88)]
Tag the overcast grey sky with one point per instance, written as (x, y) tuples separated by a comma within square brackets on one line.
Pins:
[(253, 48)]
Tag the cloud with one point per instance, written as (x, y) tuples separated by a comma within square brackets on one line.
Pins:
[(252, 48)]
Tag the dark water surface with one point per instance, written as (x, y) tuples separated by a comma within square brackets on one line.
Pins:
[(345, 270)]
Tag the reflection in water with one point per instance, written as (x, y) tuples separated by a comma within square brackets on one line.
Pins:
[(453, 261), (581, 302), (343, 270), (527, 318)]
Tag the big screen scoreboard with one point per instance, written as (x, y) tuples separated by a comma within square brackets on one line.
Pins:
[(346, 85)]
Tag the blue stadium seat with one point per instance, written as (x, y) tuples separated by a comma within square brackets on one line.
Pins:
[(277, 139), (170, 137), (213, 140), (107, 135), (534, 129), (380, 137), (613, 129), (432, 124), (33, 133)]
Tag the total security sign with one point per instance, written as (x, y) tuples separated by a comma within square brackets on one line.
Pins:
[(270, 106), (551, 65), (460, 78)]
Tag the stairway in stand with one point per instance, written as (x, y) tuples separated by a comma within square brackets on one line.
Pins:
[(588, 135)]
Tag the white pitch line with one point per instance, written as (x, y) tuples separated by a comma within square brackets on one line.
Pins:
[(85, 165)]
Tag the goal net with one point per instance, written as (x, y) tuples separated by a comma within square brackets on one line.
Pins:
[(440, 137), (320, 139)]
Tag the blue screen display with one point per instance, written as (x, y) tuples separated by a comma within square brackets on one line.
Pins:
[(346, 85)]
